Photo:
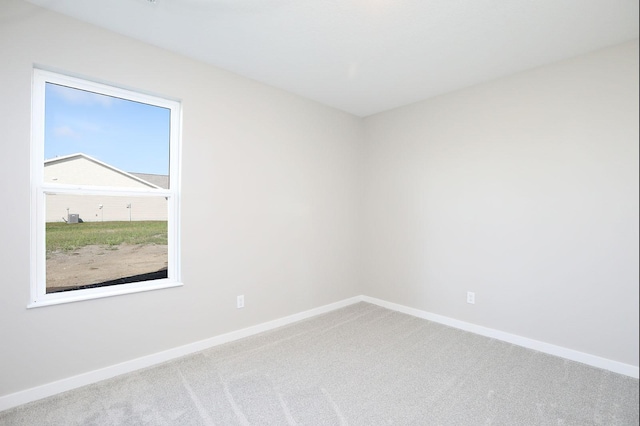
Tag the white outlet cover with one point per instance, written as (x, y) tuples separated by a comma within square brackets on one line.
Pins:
[(471, 297)]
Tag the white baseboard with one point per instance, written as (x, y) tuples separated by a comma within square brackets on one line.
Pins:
[(573, 355), (53, 388)]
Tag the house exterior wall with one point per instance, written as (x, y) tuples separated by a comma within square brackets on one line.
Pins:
[(113, 208), (82, 171), (96, 208)]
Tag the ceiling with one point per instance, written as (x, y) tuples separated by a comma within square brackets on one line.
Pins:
[(367, 56)]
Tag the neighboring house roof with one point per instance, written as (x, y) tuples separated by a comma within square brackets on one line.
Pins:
[(80, 156), (160, 180)]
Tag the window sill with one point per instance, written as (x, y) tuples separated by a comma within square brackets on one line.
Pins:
[(99, 293)]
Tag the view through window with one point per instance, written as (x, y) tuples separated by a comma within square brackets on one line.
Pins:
[(105, 195)]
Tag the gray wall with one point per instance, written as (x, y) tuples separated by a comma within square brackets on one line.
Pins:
[(269, 204), (524, 191)]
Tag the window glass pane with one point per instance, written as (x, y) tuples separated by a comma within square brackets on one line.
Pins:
[(101, 240), (94, 139), (104, 212)]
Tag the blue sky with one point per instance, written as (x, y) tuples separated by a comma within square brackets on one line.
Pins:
[(131, 136)]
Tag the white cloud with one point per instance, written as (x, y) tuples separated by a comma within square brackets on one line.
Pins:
[(66, 131)]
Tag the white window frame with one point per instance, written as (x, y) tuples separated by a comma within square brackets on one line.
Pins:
[(39, 190)]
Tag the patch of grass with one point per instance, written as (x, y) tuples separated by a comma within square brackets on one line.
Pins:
[(67, 237)]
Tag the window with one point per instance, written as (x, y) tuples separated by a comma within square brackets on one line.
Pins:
[(105, 190)]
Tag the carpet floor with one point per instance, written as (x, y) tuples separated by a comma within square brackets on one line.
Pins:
[(360, 365)]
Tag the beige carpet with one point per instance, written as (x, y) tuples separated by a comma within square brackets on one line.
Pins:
[(361, 365)]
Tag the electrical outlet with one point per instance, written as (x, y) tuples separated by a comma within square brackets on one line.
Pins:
[(240, 301), (471, 297)]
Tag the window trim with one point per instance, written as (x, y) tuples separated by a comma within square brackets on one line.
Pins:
[(39, 189)]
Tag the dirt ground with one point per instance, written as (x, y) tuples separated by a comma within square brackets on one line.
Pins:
[(96, 264)]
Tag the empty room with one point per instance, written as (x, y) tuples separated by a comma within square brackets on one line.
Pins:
[(356, 212)]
